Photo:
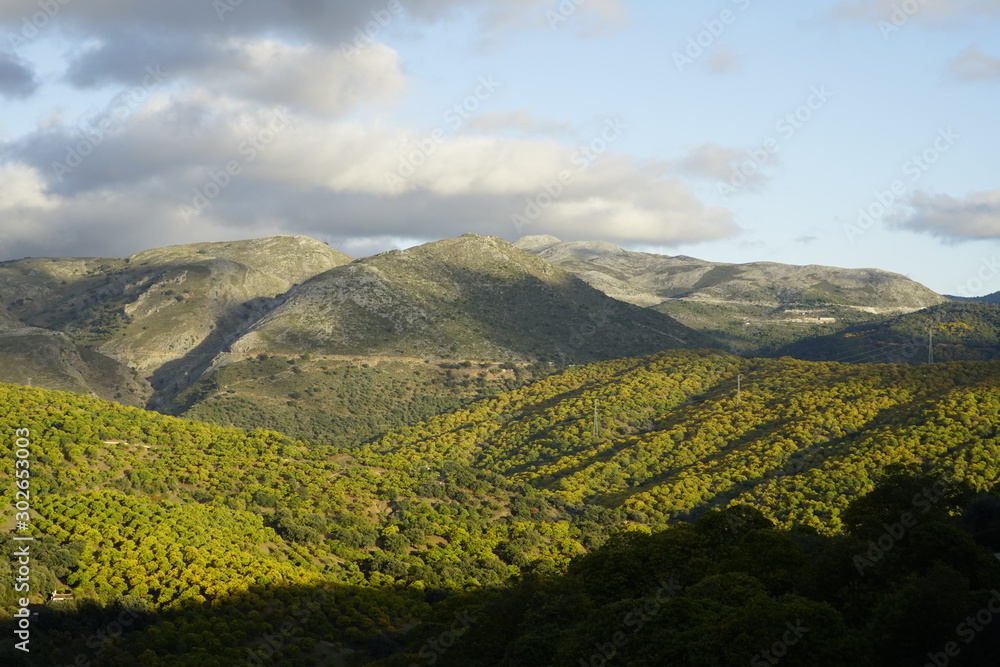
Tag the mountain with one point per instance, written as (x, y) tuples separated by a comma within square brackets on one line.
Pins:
[(471, 297), (165, 313), (253, 333), (750, 307), (987, 298), (959, 331), (407, 334)]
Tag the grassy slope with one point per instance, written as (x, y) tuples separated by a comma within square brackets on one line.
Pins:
[(750, 307)]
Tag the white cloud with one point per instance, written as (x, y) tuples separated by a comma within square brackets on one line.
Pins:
[(710, 160), (975, 217), (130, 176), (185, 35), (328, 178), (22, 193), (306, 78), (720, 163), (518, 120)]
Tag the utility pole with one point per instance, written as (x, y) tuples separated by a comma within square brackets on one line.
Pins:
[(930, 344)]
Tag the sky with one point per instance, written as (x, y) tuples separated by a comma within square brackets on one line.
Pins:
[(853, 133)]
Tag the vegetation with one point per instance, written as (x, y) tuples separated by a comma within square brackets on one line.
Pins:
[(747, 308), (512, 509), (344, 402), (758, 329), (960, 332), (728, 589), (731, 589)]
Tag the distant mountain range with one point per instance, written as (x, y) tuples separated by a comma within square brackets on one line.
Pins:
[(988, 298), (203, 329), (173, 314), (751, 308)]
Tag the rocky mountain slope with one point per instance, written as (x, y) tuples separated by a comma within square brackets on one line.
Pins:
[(167, 312), (172, 314), (467, 298), (752, 305)]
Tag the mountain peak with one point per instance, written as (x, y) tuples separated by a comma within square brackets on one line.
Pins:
[(471, 297), (536, 242)]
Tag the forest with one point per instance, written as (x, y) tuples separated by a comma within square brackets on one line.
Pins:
[(694, 464)]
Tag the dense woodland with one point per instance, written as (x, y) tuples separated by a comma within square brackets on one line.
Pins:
[(552, 510)]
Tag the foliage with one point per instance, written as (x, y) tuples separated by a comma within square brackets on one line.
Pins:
[(183, 518), (961, 331)]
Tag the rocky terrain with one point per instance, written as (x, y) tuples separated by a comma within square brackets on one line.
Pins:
[(751, 307), (173, 314)]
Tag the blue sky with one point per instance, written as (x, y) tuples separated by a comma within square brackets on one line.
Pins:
[(130, 125)]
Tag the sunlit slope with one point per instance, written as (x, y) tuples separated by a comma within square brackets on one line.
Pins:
[(675, 437)]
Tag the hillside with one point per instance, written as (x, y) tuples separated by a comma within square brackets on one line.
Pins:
[(39, 357), (749, 307), (675, 439), (467, 298), (344, 401), (180, 315), (165, 313), (182, 518), (405, 335), (986, 298), (959, 331)]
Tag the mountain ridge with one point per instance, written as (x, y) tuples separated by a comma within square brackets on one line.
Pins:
[(751, 306), (430, 298)]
